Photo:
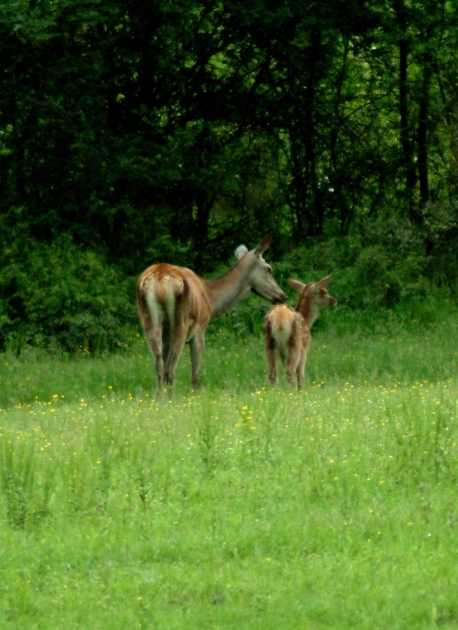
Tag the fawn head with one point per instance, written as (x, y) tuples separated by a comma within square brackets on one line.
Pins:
[(315, 292)]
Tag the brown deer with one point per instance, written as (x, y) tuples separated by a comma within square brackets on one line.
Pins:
[(287, 330), (175, 306)]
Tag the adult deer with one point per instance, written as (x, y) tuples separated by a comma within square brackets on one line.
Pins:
[(175, 306), (287, 330)]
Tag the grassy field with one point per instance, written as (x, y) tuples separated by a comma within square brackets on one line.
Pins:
[(240, 507)]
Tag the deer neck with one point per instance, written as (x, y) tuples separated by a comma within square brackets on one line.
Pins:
[(226, 291), (308, 309)]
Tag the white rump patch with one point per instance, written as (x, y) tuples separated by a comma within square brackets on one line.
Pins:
[(241, 251), (157, 310), (170, 305), (281, 335)]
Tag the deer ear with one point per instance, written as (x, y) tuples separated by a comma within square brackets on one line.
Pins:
[(296, 285), (322, 283), (263, 245), (241, 251)]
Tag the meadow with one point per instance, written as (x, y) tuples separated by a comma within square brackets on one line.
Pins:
[(240, 506)]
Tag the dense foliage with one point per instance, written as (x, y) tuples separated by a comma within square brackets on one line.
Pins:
[(133, 132)]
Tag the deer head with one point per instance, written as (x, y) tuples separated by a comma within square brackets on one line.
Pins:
[(259, 272), (316, 290)]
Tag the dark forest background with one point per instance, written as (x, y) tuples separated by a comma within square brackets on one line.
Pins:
[(134, 131)]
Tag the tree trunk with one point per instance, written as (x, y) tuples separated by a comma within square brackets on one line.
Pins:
[(422, 126)]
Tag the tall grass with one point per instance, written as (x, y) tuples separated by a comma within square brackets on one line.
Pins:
[(242, 506)]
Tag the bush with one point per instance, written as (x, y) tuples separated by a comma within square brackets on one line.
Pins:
[(387, 274), (61, 297), (365, 276)]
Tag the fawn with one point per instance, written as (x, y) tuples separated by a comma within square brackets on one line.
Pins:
[(287, 330)]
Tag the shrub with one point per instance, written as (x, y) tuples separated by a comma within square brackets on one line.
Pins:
[(60, 296)]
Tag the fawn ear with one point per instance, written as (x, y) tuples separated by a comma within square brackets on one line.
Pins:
[(322, 283), (263, 245), (296, 285)]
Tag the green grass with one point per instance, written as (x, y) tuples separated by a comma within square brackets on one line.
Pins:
[(240, 507)]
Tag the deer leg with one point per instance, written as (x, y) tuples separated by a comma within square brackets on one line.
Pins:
[(154, 339), (291, 365), (165, 347), (271, 361), (301, 369), (291, 376), (197, 347), (177, 341), (273, 376)]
